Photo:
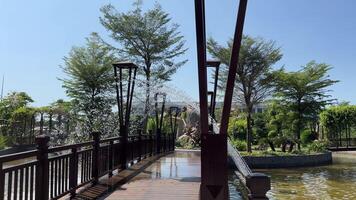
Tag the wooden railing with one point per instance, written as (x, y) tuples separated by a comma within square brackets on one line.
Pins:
[(342, 143), (52, 173)]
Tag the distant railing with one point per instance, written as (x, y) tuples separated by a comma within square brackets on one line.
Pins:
[(52, 173), (342, 143)]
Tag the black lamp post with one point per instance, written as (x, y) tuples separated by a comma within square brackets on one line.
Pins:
[(124, 72), (212, 94), (173, 115), (159, 119)]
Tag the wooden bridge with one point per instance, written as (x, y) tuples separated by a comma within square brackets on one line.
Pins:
[(70, 171), (127, 166)]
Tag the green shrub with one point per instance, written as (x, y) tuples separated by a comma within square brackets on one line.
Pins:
[(239, 145), (307, 137), (185, 142), (318, 146), (3, 142), (237, 128)]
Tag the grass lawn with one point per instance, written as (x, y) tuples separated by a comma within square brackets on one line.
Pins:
[(278, 152)]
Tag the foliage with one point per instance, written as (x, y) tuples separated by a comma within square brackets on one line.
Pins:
[(318, 146), (304, 92), (237, 128), (3, 142), (338, 119), (307, 136), (280, 125), (253, 73), (12, 102), (147, 38), (14, 114), (260, 126), (265, 153), (186, 142), (240, 145), (90, 82), (152, 125)]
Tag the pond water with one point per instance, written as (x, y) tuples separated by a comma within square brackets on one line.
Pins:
[(337, 181), (331, 182)]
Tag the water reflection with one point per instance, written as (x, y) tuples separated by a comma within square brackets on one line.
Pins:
[(336, 181), (183, 166)]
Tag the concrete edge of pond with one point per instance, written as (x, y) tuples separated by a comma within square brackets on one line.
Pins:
[(273, 162)]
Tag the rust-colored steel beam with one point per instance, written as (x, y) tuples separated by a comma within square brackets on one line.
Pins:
[(233, 66), (202, 72), (214, 169)]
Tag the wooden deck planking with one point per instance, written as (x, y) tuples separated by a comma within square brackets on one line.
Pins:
[(173, 177), (157, 189)]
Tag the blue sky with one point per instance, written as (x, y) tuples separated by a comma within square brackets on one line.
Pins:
[(35, 36)]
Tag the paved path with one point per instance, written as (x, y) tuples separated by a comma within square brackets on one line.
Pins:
[(173, 177)]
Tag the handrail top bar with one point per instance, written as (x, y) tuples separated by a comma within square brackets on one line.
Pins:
[(213, 63), (210, 92), (70, 146), (110, 139), (17, 156), (124, 64)]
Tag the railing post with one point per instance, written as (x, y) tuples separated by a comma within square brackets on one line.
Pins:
[(139, 145), (42, 180), (124, 147), (132, 150), (165, 142), (111, 149), (172, 145), (174, 142), (151, 142), (96, 157), (73, 172), (2, 182), (258, 185), (159, 141)]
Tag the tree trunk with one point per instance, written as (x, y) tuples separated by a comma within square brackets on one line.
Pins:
[(249, 129), (291, 146), (147, 101), (299, 124), (284, 146), (271, 145)]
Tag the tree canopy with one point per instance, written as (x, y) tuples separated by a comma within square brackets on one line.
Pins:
[(253, 77), (149, 39), (304, 92), (90, 80)]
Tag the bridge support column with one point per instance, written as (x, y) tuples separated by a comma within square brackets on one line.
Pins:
[(214, 184)]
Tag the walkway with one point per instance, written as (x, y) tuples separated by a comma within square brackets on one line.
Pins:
[(176, 176)]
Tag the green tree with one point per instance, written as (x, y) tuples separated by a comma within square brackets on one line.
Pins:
[(338, 122), (90, 81), (147, 38), (304, 92), (253, 73), (13, 102), (280, 125)]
